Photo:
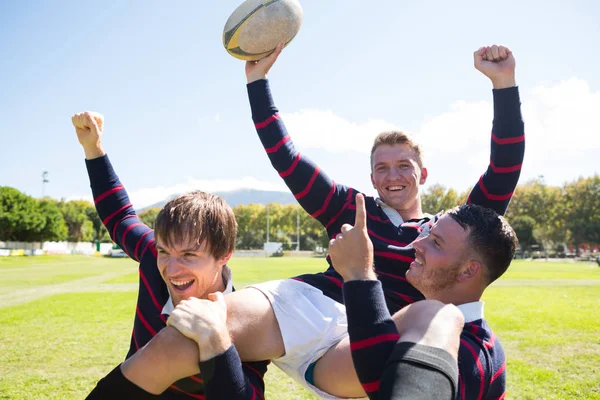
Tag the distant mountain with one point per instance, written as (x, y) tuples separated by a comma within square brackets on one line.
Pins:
[(245, 197)]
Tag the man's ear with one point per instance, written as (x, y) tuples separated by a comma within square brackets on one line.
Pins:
[(225, 259), (424, 175), (470, 270)]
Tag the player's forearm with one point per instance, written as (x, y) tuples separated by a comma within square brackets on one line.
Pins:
[(93, 152), (168, 357), (504, 82), (224, 378)]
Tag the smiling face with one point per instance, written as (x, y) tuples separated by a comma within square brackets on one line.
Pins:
[(396, 176), (440, 258), (190, 270)]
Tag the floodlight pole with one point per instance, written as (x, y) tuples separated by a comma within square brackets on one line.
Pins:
[(267, 223), (44, 181), (298, 229)]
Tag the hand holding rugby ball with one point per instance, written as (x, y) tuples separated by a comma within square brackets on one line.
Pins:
[(256, 27)]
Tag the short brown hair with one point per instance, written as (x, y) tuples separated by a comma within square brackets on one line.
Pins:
[(490, 236), (397, 137), (198, 217)]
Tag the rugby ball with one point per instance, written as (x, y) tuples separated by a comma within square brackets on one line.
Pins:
[(256, 27)]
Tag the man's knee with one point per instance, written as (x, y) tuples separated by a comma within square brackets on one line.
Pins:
[(431, 323)]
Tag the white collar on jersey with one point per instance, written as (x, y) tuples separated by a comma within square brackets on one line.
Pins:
[(393, 214), (168, 308), (472, 311)]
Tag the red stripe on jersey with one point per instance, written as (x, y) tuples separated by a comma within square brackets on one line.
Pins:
[(388, 241), (130, 227), (308, 186), (107, 193), (146, 324), (146, 248), (346, 205), (463, 394), (490, 344), (499, 372), (114, 231), (334, 280), (195, 378), (292, 167), (253, 369), (510, 140), (278, 145), (195, 396), (266, 122), (372, 341), (395, 256), (111, 216), (370, 216), (474, 328), (505, 170), (326, 203), (254, 391), (493, 196), (378, 272), (479, 366), (371, 386), (501, 397), (139, 243), (137, 346), (143, 278), (404, 297)]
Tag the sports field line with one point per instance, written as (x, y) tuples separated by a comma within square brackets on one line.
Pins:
[(90, 284)]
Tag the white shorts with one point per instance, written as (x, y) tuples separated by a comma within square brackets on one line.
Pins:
[(310, 324)]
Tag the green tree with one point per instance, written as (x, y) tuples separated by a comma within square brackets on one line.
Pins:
[(79, 226), (582, 201), (99, 233), (437, 198), (55, 228), (524, 227), (252, 226), (148, 216), (20, 216), (545, 205)]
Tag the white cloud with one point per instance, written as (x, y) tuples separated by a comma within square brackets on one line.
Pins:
[(561, 126), (324, 129)]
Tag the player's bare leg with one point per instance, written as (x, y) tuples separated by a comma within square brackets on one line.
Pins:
[(253, 326)]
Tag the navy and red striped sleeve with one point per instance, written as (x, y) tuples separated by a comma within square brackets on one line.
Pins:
[(320, 196), (373, 333), (496, 186), (116, 211), (472, 368), (225, 377), (480, 375)]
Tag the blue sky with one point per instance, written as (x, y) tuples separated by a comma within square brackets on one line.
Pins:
[(177, 114)]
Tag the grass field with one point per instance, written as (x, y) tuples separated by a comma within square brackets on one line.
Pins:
[(52, 309)]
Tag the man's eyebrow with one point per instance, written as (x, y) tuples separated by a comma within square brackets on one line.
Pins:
[(435, 235)]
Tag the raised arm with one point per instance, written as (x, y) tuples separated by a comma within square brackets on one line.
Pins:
[(320, 196), (110, 198), (497, 185)]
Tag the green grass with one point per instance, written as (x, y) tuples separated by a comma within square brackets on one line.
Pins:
[(55, 347)]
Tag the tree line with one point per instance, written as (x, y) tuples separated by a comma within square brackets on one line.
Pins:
[(543, 216)]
